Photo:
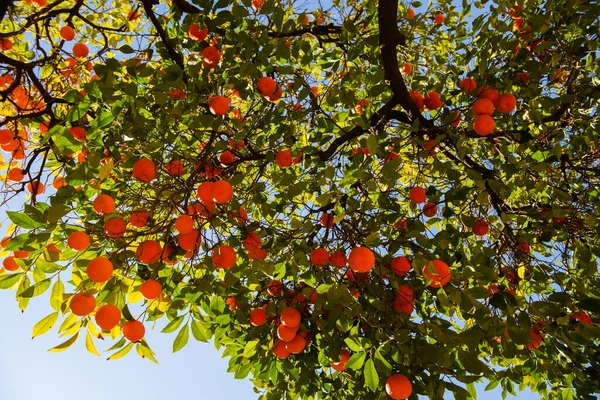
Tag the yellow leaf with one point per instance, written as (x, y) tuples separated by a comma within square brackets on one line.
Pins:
[(89, 345)]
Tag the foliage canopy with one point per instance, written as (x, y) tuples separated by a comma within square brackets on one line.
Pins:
[(367, 199)]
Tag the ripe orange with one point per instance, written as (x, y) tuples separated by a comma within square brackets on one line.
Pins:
[(438, 273), (107, 317), (433, 101), (486, 92), (211, 57), (258, 317), (582, 317), (319, 256), (58, 182), (151, 289), (4, 242), (184, 224), (266, 86), (341, 365), (290, 317), (361, 105), (227, 158), (417, 195), (275, 288), (144, 170), (480, 228), (483, 125), (275, 96), (523, 247), (284, 158), (134, 331), (401, 266), (36, 186), (115, 227), (280, 350), (326, 220), (223, 257), (337, 259), (80, 50), (6, 44), (82, 305), (21, 254), (174, 168), (506, 102), (398, 387), (482, 106), (189, 241), (296, 345), (438, 18), (418, 99), (257, 4), (6, 136), (99, 269), (78, 241), (457, 118), (430, 209), (139, 218), (222, 192), (104, 204), (148, 252), (410, 13), (252, 241), (197, 34), (286, 333), (468, 85), (15, 175), (218, 105), (10, 264), (361, 259), (406, 68), (67, 33)]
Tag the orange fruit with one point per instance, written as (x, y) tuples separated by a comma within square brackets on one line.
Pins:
[(290, 317), (99, 269), (296, 345), (80, 50), (104, 204), (10, 264), (457, 118), (410, 13), (189, 241), (115, 227), (480, 228), (523, 247), (337, 259), (252, 241), (483, 125), (218, 105), (326, 220), (82, 305), (505, 103), (438, 19), (275, 96), (78, 133), (341, 365), (6, 44), (144, 170), (401, 266), (223, 257), (107, 317), (139, 218), (418, 99), (406, 68), (284, 158), (197, 34), (184, 224), (205, 192), (468, 85), (280, 350), (211, 57), (485, 92), (78, 241), (59, 182), (266, 86), (361, 259), (6, 136), (222, 192), (35, 185), (429, 209), (258, 317), (227, 158), (151, 289), (482, 106), (133, 331), (4, 242), (21, 254), (433, 101), (67, 33), (148, 252), (319, 256), (398, 387), (417, 195), (360, 106), (174, 168), (15, 175), (286, 333), (275, 288), (438, 273)]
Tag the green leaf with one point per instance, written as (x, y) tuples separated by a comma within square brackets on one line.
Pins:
[(199, 332), (371, 376), (44, 325), (65, 345), (36, 289), (121, 353), (182, 339), (7, 281), (471, 389), (23, 220), (173, 325), (56, 295), (356, 361), (250, 348)]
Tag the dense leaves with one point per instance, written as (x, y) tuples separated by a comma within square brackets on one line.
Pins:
[(417, 187)]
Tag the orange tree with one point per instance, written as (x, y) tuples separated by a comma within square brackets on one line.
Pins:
[(367, 200)]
